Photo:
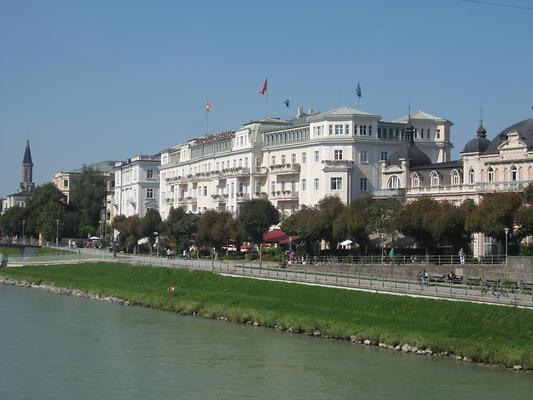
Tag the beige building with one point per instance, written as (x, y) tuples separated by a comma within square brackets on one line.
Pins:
[(291, 163), (503, 164)]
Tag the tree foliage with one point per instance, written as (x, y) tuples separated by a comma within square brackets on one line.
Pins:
[(353, 223), (179, 227), (216, 229), (88, 197), (256, 217), (307, 225), (129, 229)]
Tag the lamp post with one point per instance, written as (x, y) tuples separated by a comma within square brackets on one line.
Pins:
[(156, 234), (57, 232), (23, 228), (382, 236), (506, 234)]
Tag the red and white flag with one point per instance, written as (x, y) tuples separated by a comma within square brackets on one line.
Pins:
[(264, 87), (208, 106)]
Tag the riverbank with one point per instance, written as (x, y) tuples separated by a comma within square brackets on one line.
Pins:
[(470, 332)]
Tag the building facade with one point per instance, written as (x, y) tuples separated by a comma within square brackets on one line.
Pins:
[(136, 185), (292, 163), (501, 165)]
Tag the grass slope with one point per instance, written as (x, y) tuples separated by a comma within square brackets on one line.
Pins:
[(494, 334), (16, 251)]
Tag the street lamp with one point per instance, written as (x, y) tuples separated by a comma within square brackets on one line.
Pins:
[(506, 234), (57, 232), (23, 227), (382, 236)]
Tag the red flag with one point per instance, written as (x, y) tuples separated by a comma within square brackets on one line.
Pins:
[(208, 106), (264, 87)]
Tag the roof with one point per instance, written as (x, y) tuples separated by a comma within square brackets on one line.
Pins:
[(24, 193), (410, 151), (102, 166), (420, 115), (477, 145), (442, 165), (342, 111), (524, 129), (27, 154)]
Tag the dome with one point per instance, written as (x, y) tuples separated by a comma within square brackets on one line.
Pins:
[(480, 143), (413, 153), (524, 129)]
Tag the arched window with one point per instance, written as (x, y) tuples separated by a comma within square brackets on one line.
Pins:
[(435, 179), (393, 182), (490, 174), (471, 176), (415, 180), (514, 173), (455, 178)]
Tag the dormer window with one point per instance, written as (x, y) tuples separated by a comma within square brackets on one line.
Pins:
[(435, 179), (456, 179), (393, 182), (514, 173)]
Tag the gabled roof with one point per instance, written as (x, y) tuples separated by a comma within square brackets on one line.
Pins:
[(27, 154), (421, 115)]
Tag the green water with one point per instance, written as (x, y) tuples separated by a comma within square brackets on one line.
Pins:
[(60, 347)]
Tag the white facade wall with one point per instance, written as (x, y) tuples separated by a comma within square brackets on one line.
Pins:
[(136, 186), (333, 153)]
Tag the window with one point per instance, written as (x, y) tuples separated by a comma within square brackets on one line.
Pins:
[(149, 193), (471, 176), (455, 178), (363, 184), (304, 158), (304, 184), (319, 130), (384, 156), (363, 157), (435, 181), (257, 187), (514, 174), (293, 158), (415, 180), (283, 186), (347, 129), (393, 182), (338, 130), (369, 130), (273, 160), (336, 183), (337, 154), (317, 186), (331, 129), (293, 186), (317, 156), (283, 159), (241, 188), (438, 133), (65, 183), (490, 174), (149, 174), (362, 130), (272, 186)]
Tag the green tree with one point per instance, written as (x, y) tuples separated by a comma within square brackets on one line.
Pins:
[(11, 221), (353, 223), (256, 217), (329, 208), (129, 229), (307, 225), (88, 198), (413, 220), (215, 229), (179, 227), (150, 224), (382, 217)]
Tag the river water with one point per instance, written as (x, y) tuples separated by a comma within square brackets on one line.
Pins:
[(59, 347)]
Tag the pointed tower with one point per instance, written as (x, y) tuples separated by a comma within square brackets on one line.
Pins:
[(27, 169)]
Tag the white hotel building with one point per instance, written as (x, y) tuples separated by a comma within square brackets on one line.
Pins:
[(136, 185), (292, 163)]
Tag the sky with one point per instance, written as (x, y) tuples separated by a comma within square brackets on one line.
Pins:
[(87, 81)]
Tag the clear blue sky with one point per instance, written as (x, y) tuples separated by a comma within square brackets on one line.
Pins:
[(102, 80)]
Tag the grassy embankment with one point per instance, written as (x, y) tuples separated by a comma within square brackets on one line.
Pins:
[(40, 251), (493, 334)]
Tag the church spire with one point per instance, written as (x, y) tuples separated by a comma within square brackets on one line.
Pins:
[(27, 169), (27, 154)]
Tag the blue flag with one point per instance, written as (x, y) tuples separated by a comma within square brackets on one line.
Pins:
[(287, 103), (358, 90)]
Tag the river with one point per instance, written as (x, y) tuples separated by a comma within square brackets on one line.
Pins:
[(59, 347)]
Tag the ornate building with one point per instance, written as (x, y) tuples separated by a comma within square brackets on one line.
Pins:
[(503, 164), (26, 185)]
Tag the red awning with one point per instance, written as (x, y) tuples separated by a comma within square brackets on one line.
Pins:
[(279, 237)]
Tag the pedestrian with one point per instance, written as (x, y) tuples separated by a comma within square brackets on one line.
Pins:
[(391, 255), (461, 256)]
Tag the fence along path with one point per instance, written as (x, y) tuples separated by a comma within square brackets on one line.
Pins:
[(375, 278)]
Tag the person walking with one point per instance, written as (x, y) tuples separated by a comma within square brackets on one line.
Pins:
[(461, 256)]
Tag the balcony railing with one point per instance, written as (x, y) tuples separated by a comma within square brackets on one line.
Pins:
[(261, 195), (260, 171), (284, 195), (337, 165), (501, 186), (237, 171), (390, 193), (285, 169), (243, 197)]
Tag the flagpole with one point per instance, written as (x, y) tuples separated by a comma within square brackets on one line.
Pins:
[(206, 120), (266, 103)]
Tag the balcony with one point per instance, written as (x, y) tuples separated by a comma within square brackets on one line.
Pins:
[(219, 198), (169, 201), (285, 169), (182, 202), (389, 193), (191, 200), (237, 171), (260, 171), (243, 197), (177, 179), (284, 195), (501, 187), (337, 165), (261, 195)]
